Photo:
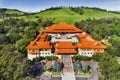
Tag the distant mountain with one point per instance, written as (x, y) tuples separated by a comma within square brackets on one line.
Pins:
[(11, 11), (60, 14)]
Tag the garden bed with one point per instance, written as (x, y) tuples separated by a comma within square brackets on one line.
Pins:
[(53, 74), (84, 74)]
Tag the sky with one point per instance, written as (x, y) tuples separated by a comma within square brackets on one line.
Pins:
[(38, 5)]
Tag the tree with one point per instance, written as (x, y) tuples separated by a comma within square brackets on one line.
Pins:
[(112, 51), (21, 45), (115, 41), (56, 66), (3, 38), (13, 37), (38, 59), (96, 57), (85, 67), (32, 23), (2, 29), (30, 33), (61, 65), (51, 57), (99, 29), (78, 57), (77, 65), (78, 10), (39, 21), (35, 69), (109, 67)]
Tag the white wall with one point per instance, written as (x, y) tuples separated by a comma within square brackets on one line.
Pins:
[(85, 53), (45, 53), (31, 56)]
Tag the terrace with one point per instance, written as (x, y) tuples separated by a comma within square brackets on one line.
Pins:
[(63, 37)]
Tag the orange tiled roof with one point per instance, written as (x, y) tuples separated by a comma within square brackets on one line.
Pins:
[(32, 45), (77, 45), (45, 45), (62, 51), (41, 37), (84, 36), (88, 42), (64, 45), (92, 44), (39, 45), (44, 35), (62, 27)]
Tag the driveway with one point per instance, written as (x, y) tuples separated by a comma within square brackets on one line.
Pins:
[(96, 74)]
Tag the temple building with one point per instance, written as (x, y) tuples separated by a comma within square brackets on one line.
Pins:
[(64, 39)]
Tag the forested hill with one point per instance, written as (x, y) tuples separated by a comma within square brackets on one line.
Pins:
[(60, 14)]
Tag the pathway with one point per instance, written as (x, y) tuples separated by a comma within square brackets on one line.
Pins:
[(68, 72)]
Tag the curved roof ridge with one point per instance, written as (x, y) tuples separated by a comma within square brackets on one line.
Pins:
[(63, 27)]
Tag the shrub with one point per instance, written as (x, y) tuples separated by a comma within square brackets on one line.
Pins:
[(51, 57), (38, 58), (78, 57), (85, 58), (96, 57)]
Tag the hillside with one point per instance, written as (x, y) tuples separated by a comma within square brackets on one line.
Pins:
[(65, 14), (70, 16), (7, 13)]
